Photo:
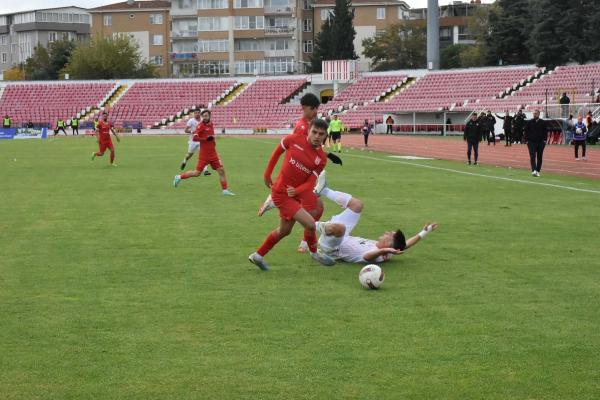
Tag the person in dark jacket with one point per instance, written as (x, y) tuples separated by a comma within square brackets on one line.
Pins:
[(564, 102), (580, 136), (507, 127), (536, 134), (472, 135), (518, 126), (366, 131), (490, 131)]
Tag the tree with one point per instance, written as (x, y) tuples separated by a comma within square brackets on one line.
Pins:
[(510, 27), (336, 39), (591, 33), (108, 58), (399, 47), (451, 56), (60, 53), (14, 74), (37, 67)]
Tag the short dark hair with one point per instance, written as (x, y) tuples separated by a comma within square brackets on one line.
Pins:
[(399, 242), (206, 110), (319, 123), (310, 100)]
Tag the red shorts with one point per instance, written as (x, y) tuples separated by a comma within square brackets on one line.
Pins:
[(214, 162), (288, 206), (106, 145), (309, 200)]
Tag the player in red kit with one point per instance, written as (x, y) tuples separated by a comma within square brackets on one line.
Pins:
[(304, 160), (103, 131), (205, 134)]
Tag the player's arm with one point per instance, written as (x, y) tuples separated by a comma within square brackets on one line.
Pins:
[(115, 134), (277, 152), (385, 253), (427, 229)]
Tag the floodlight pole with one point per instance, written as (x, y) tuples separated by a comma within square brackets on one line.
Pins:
[(433, 35)]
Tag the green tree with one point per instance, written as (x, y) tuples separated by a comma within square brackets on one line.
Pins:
[(398, 48), (451, 56), (108, 58), (37, 67), (510, 27), (336, 39), (60, 53), (591, 33)]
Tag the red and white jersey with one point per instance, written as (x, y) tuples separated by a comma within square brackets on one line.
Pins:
[(354, 248), (104, 131), (301, 127), (192, 124), (208, 148), (300, 163)]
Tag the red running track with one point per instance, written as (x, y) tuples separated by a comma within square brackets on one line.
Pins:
[(558, 159)]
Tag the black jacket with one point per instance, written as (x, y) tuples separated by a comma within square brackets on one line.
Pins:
[(508, 119), (536, 131), (472, 132)]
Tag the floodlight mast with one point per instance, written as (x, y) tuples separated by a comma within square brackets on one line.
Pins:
[(433, 35)]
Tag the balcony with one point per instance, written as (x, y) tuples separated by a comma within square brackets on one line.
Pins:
[(279, 30), (283, 10), (280, 53), (184, 34), (183, 56)]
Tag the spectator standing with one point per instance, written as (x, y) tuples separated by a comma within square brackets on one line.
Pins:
[(507, 127), (472, 135), (60, 126), (366, 131), (490, 124), (518, 126), (75, 125), (536, 135), (6, 122), (580, 137), (30, 125), (564, 102), (389, 121)]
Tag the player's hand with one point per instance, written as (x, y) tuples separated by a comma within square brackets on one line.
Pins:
[(268, 182), (433, 226), (291, 191), (210, 138), (391, 250), (334, 158), (118, 139)]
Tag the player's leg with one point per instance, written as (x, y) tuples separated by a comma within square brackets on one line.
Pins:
[(218, 166), (190, 174), (284, 229), (111, 147), (314, 205), (306, 220), (192, 148), (101, 149)]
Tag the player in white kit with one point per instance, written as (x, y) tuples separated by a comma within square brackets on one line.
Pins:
[(190, 129), (335, 235)]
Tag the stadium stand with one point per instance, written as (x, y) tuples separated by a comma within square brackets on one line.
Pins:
[(153, 103), (44, 103)]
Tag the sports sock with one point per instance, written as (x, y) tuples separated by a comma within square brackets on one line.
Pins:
[(185, 175), (339, 146), (340, 198), (223, 184), (205, 169), (311, 240), (269, 243), (112, 157)]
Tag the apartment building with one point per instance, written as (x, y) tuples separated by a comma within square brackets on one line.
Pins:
[(146, 22), (240, 37), (372, 17), (21, 32)]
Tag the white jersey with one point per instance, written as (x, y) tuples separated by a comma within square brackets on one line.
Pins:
[(354, 248), (192, 124)]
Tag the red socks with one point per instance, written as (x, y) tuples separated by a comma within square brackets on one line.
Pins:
[(311, 240), (224, 184), (269, 243)]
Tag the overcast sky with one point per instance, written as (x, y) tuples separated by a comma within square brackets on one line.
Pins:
[(10, 6)]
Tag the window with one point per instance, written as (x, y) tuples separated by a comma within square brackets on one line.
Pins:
[(463, 33), (279, 44), (307, 5), (403, 14), (211, 4), (157, 40), (279, 65), (108, 20), (209, 46), (445, 33), (308, 46), (307, 25), (278, 3), (4, 58), (208, 24), (156, 60), (279, 22), (248, 45), (184, 3), (213, 67), (156, 19), (380, 12), (185, 47), (325, 12), (52, 37), (248, 4), (249, 22), (249, 67), (3, 39)]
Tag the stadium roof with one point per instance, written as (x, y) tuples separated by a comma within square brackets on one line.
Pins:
[(133, 5)]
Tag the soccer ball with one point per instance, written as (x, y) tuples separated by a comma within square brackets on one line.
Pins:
[(371, 276), (579, 131)]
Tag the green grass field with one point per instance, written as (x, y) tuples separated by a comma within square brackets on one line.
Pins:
[(115, 285)]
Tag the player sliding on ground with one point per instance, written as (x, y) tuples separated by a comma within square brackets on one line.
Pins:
[(103, 130), (335, 239), (205, 134), (304, 160), (190, 129)]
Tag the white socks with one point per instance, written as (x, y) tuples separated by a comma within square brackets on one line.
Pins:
[(340, 198)]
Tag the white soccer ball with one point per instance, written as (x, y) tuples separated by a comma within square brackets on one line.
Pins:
[(579, 131), (371, 276)]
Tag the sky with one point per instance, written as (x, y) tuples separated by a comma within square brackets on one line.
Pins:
[(10, 6)]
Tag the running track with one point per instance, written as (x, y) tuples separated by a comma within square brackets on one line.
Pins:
[(558, 159)]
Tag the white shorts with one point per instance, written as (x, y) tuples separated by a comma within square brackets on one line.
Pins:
[(331, 244), (193, 146)]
